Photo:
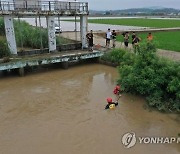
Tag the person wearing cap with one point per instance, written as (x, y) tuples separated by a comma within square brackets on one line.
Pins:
[(111, 104)]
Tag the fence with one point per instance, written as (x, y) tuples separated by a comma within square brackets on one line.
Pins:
[(43, 6)]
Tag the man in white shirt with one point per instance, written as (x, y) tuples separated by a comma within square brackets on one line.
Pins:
[(108, 37)]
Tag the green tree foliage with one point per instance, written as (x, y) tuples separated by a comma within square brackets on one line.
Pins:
[(4, 50), (157, 79)]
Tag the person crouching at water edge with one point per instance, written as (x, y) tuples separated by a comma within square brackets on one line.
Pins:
[(111, 104)]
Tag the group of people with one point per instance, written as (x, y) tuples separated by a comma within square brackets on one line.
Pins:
[(135, 39), (111, 35)]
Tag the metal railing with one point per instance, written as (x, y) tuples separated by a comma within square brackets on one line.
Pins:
[(43, 6)]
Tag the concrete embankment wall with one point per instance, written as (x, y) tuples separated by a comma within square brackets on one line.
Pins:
[(65, 47)]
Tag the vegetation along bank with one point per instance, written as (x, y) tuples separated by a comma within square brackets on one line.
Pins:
[(146, 74)]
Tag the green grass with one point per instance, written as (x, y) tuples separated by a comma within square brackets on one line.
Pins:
[(158, 23), (163, 40), (30, 36)]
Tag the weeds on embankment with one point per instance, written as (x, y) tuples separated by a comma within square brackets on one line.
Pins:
[(146, 74), (27, 36)]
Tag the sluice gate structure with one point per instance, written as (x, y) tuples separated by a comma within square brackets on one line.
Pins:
[(10, 9)]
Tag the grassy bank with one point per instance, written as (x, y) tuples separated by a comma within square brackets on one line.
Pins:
[(158, 23), (144, 73), (164, 40), (27, 36)]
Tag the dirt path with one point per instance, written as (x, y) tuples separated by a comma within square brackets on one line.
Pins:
[(101, 41)]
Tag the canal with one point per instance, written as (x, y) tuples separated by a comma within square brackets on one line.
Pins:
[(58, 111)]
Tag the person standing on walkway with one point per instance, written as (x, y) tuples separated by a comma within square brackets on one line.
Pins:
[(114, 38), (126, 39), (150, 37), (133, 36), (108, 37), (89, 37), (136, 44)]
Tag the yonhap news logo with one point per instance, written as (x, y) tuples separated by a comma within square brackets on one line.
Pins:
[(130, 139)]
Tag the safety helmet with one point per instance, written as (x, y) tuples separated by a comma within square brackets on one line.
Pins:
[(109, 100), (118, 87)]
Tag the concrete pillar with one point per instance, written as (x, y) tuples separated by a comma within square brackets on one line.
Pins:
[(10, 35), (51, 33), (83, 29)]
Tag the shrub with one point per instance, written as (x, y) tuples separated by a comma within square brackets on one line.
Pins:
[(118, 56), (4, 50), (2, 30), (29, 35), (157, 79)]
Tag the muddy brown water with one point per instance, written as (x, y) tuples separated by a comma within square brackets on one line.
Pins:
[(62, 112)]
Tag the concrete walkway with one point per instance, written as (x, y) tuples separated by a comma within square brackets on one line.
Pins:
[(98, 40)]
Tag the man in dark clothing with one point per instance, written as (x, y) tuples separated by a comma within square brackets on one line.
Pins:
[(123, 34), (114, 38), (133, 36), (126, 39), (136, 43), (89, 37), (136, 40)]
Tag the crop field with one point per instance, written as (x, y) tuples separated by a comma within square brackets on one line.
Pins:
[(163, 40), (158, 23)]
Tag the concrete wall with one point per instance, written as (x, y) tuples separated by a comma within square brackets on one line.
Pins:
[(10, 35), (83, 30), (72, 46), (51, 33)]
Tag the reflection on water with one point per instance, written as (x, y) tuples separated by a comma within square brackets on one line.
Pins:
[(62, 111)]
